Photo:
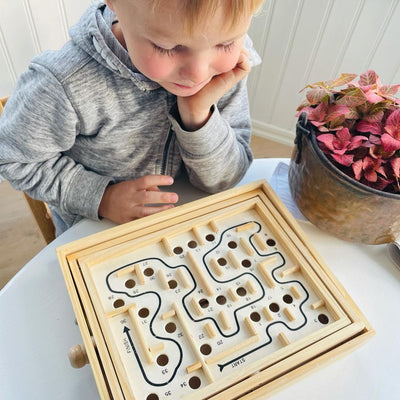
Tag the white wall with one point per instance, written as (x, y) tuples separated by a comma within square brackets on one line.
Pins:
[(300, 41), (305, 41), (28, 27)]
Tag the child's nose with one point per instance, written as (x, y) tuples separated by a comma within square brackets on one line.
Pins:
[(196, 69)]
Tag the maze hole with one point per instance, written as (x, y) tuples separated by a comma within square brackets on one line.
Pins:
[(323, 319), (232, 245), (288, 299), (118, 303), (205, 349), (222, 261), (194, 382), (271, 242), (204, 303), (192, 244), (130, 283), (152, 396), (241, 291), (274, 307), (221, 299), (246, 263), (210, 238), (170, 327), (148, 271), (172, 284), (144, 312), (255, 316), (162, 360), (178, 250)]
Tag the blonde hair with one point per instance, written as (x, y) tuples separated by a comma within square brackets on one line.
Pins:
[(196, 12)]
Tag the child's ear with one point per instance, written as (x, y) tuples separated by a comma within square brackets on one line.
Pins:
[(110, 5)]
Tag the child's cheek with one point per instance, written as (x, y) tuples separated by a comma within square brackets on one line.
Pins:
[(227, 62), (159, 69)]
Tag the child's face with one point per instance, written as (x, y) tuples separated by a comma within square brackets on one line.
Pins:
[(161, 50)]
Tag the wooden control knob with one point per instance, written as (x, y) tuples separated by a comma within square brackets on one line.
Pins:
[(77, 356)]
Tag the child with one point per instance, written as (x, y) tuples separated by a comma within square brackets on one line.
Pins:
[(143, 90)]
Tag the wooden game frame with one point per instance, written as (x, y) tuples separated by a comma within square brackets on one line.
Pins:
[(271, 373)]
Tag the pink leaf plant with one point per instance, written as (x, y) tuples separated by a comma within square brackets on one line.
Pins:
[(357, 125)]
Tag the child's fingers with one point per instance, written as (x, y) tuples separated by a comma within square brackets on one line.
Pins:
[(229, 79), (153, 197), (150, 181), (154, 189), (245, 52), (146, 190), (243, 63), (121, 201)]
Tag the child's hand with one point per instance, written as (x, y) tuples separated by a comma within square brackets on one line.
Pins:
[(129, 200), (195, 110)]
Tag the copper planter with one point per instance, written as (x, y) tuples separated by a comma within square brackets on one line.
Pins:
[(336, 203)]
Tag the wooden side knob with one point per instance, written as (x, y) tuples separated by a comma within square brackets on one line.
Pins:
[(77, 356)]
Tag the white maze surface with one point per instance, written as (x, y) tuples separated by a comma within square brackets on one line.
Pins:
[(211, 305)]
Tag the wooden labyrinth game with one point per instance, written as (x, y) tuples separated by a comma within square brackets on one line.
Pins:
[(221, 298)]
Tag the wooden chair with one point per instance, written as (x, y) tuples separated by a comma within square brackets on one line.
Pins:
[(39, 209)]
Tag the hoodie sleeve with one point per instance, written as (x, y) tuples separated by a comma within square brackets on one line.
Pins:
[(38, 125), (218, 155)]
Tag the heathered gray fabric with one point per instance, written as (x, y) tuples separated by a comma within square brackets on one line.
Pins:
[(83, 117)]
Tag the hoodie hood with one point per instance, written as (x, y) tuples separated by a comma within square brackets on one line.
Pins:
[(94, 36)]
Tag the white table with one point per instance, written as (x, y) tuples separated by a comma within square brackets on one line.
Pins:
[(37, 325)]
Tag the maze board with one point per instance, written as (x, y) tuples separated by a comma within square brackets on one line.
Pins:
[(215, 300)]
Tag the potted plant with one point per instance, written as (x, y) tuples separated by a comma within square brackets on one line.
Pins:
[(344, 172)]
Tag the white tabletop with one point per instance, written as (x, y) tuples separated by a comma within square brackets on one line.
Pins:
[(37, 325)]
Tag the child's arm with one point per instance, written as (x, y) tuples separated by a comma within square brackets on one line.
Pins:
[(195, 110), (37, 125), (218, 153), (37, 129)]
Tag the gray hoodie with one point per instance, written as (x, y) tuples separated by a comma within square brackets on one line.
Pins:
[(83, 117)]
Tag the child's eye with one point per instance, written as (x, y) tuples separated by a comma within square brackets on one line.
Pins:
[(227, 47), (164, 52)]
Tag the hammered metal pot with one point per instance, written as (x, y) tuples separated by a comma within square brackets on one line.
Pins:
[(333, 201)]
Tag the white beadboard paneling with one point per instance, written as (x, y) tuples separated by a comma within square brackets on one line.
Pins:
[(7, 72), (259, 32), (293, 69), (74, 9), (388, 49), (318, 41), (336, 35), (314, 40), (349, 37), (32, 25), (273, 55), (17, 35), (29, 27), (46, 18), (369, 22), (397, 74), (381, 33)]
